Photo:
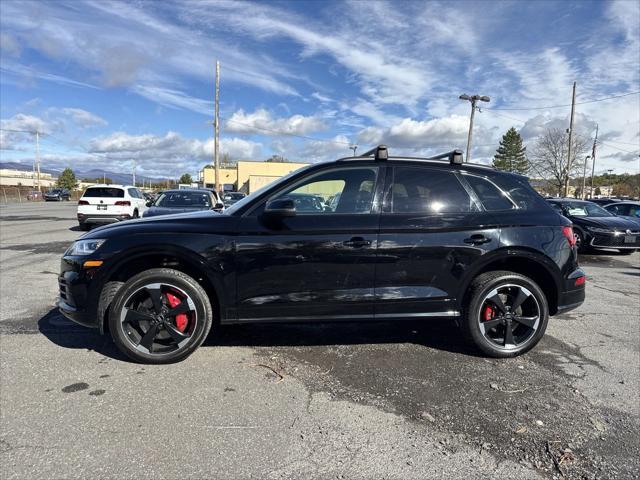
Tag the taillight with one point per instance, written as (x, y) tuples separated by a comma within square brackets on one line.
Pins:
[(568, 234), (123, 203), (580, 281), (83, 202)]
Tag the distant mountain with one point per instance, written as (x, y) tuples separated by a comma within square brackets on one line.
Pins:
[(80, 174)]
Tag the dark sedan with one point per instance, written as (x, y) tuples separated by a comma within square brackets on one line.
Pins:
[(232, 197), (628, 210), (181, 201), (596, 228), (57, 195)]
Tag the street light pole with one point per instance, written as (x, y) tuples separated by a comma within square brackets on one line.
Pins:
[(354, 148), (473, 99)]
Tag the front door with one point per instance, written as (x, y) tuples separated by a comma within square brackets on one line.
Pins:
[(318, 264)]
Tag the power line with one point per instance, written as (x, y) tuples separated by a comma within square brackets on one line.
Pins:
[(566, 105), (618, 148), (634, 144)]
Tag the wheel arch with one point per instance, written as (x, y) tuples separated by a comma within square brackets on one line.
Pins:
[(525, 262), (132, 262)]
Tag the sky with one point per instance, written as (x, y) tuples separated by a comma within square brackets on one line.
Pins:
[(110, 83)]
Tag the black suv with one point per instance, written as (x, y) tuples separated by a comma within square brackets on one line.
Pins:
[(407, 238)]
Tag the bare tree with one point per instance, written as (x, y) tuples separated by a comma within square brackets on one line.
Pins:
[(549, 158)]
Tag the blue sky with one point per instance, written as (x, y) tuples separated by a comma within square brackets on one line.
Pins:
[(112, 82)]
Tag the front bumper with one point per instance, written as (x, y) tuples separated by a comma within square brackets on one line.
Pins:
[(79, 292), (619, 240)]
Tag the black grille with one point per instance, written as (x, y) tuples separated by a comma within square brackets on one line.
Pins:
[(616, 241), (63, 288)]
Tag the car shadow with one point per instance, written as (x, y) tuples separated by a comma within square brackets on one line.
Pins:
[(440, 334)]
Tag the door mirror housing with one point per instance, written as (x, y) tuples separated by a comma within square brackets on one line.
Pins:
[(218, 207), (280, 207), (149, 203)]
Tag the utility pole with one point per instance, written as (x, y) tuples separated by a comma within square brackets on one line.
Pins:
[(593, 160), (134, 173), (473, 99), (573, 110), (216, 131), (38, 157)]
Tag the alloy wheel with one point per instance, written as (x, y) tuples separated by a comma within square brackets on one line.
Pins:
[(158, 318), (509, 316)]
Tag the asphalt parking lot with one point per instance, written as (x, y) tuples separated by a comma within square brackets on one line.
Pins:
[(384, 400)]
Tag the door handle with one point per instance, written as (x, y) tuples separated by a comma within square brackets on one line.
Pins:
[(357, 242), (477, 239)]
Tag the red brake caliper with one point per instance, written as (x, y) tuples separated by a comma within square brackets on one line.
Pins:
[(181, 318), (488, 313)]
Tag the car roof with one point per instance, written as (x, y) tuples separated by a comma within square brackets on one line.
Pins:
[(625, 202), (572, 200), (180, 190), (110, 185)]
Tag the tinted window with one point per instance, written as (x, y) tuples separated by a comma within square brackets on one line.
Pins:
[(353, 187), (184, 199), (107, 192), (520, 191), (584, 209), (423, 190), (490, 195), (132, 192)]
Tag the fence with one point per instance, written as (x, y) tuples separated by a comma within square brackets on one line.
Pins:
[(27, 195)]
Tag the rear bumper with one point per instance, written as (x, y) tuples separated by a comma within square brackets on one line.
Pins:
[(94, 218), (571, 296)]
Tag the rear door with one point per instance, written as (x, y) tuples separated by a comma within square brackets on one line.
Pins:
[(431, 232)]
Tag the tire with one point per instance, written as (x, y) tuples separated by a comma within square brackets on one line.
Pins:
[(107, 295), (581, 243), (141, 323), (485, 326), (135, 214)]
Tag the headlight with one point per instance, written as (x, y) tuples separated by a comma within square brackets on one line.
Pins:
[(84, 247), (599, 230)]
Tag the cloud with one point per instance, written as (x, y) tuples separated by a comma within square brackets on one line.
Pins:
[(175, 99), (21, 128), (84, 119), (261, 122)]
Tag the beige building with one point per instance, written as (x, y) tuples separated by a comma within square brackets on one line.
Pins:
[(248, 176), (16, 178)]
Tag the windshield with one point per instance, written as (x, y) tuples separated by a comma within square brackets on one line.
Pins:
[(249, 198), (105, 192), (587, 209), (184, 199)]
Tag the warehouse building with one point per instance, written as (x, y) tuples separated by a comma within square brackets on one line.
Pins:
[(247, 176)]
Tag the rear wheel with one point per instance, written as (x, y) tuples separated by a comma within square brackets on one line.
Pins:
[(506, 314), (160, 316)]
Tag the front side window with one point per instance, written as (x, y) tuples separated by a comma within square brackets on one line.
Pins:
[(428, 191), (346, 191)]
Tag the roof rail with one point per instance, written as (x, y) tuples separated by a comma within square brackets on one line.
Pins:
[(378, 153), (454, 157)]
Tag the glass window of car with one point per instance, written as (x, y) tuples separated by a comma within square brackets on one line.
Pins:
[(492, 198), (585, 209), (104, 192), (428, 191), (132, 192), (354, 188), (184, 199)]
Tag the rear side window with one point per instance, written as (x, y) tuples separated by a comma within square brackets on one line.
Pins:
[(107, 192), (428, 191), (491, 197), (133, 193), (520, 191)]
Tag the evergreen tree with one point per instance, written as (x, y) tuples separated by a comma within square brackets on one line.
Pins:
[(67, 179), (510, 155), (185, 178)]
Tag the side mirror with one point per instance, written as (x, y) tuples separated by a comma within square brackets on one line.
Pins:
[(280, 207), (218, 206), (149, 203)]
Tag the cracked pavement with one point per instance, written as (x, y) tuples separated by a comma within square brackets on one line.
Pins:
[(381, 400)]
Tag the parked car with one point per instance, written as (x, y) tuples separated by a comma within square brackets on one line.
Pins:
[(57, 195), (102, 204), (181, 201), (34, 195), (628, 210), (604, 201), (596, 228), (230, 198), (408, 238)]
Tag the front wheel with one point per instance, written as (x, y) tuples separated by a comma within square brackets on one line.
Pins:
[(506, 314), (581, 241), (160, 316)]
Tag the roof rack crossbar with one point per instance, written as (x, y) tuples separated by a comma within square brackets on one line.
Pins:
[(378, 153), (454, 157)]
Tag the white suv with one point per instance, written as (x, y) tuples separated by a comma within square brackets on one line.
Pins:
[(109, 204)]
